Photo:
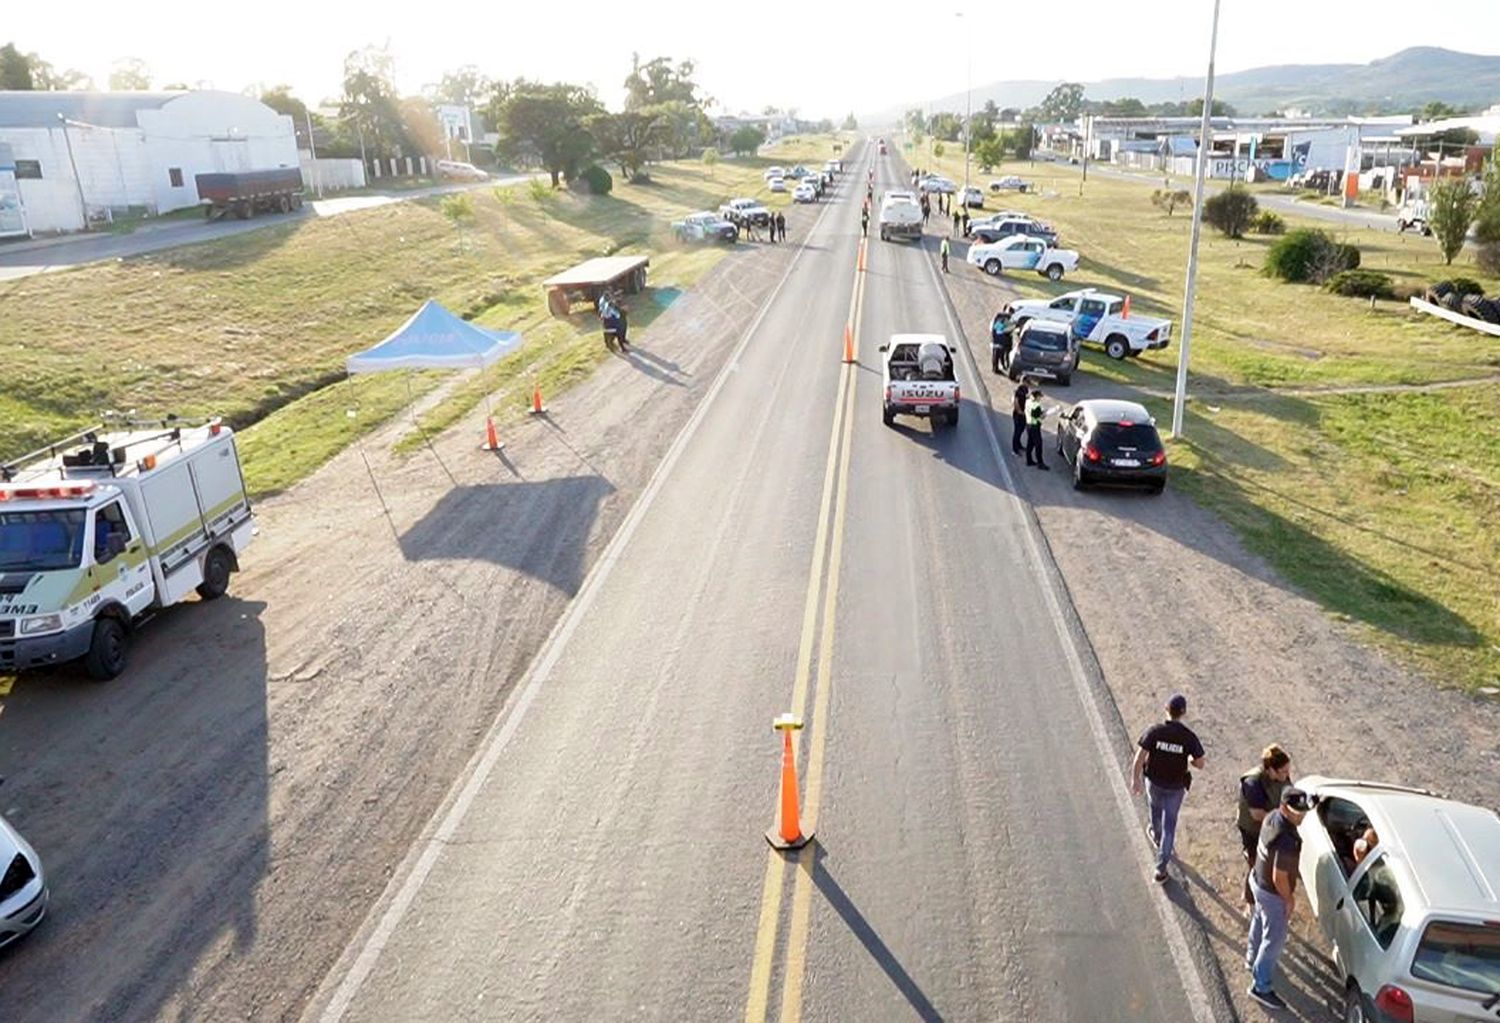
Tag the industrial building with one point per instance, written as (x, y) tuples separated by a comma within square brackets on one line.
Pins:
[(69, 159)]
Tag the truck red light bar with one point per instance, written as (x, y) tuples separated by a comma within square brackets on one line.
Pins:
[(63, 492)]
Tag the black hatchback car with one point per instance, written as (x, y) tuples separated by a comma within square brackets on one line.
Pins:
[(1111, 441)]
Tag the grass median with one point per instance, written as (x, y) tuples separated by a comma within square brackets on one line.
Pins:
[(256, 327), (1353, 446)]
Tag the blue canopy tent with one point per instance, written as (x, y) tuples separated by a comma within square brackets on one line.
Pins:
[(434, 338)]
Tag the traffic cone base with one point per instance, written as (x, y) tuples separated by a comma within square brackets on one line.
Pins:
[(777, 842)]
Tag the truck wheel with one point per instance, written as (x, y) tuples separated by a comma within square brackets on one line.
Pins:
[(243, 211), (108, 650), (887, 416), (557, 303), (216, 569), (992, 267), (284, 204), (1078, 480), (1115, 347), (296, 202), (1055, 272), (1354, 1005)]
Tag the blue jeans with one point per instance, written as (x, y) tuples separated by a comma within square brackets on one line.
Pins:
[(1268, 930), (1164, 805)]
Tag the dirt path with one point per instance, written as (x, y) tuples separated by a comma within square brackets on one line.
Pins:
[(216, 823), (1171, 601)]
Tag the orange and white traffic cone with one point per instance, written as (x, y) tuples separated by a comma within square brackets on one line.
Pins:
[(788, 832), (536, 399), (1125, 312), (848, 344), (491, 438)]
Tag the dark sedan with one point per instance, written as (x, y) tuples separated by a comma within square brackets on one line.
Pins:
[(1111, 441)]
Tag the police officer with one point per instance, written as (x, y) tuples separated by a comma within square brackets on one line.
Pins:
[(943, 251), (1035, 413), (1162, 755), (1018, 414), (1260, 793)]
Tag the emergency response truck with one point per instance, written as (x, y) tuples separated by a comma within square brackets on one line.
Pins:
[(105, 527)]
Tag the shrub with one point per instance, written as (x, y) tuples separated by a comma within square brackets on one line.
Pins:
[(1309, 255), (538, 190), (1170, 198), (1268, 222), (1488, 258), (1361, 284), (593, 180), (1231, 211), (1406, 290), (1453, 207)]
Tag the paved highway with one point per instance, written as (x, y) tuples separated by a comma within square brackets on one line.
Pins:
[(976, 855)]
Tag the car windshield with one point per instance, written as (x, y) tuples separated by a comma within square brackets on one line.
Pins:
[(41, 541), (1461, 955), (1045, 341), (1136, 436)]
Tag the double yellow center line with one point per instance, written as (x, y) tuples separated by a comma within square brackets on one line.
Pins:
[(823, 582)]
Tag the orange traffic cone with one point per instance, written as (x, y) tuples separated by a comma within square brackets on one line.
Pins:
[(536, 399), (1125, 312), (788, 831), (491, 438), (848, 343)]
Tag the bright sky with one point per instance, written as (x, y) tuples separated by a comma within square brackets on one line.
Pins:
[(825, 59)]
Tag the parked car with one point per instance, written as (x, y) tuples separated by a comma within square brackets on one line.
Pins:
[(804, 193), (741, 210), (1096, 318), (1020, 252), (1106, 440), (457, 170), (1008, 184), (1415, 922), (1044, 349), (972, 197), (900, 216), (705, 227), (996, 230), (937, 183), (777, 184), (23, 886), (773, 172), (799, 172)]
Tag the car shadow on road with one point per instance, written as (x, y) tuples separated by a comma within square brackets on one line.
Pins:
[(539, 528), (147, 799), (840, 902)]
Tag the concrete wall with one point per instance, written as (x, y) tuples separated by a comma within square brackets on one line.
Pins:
[(331, 175)]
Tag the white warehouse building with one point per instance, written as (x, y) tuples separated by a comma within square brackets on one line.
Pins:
[(65, 156)]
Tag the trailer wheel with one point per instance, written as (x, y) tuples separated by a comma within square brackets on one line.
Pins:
[(109, 650), (557, 303), (284, 204), (638, 281), (216, 569)]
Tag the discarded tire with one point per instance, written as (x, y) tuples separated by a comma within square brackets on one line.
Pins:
[(1469, 305), (1452, 301), (1438, 290)]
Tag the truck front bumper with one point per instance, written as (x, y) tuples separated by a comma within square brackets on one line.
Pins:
[(21, 653)]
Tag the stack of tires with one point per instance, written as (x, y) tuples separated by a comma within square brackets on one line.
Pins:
[(1465, 297)]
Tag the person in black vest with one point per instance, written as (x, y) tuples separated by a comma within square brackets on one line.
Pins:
[(1018, 414), (1275, 887), (1163, 754), (1260, 793), (781, 225)]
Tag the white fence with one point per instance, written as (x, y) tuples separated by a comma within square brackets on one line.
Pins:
[(330, 175)]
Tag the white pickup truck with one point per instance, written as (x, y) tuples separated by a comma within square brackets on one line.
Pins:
[(919, 379), (1096, 318), (1018, 252), (900, 216)]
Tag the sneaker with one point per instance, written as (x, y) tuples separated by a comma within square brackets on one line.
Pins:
[(1160, 877), (1270, 999)]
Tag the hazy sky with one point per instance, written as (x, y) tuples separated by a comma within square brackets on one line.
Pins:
[(823, 58)]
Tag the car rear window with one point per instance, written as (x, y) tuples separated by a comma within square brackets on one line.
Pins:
[(1045, 341), (1461, 955), (1138, 436)]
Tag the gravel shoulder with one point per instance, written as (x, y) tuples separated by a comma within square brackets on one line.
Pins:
[(1171, 601), (216, 823)]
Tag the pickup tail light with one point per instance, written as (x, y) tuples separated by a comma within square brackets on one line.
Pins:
[(1091, 453), (887, 393), (1395, 1003)]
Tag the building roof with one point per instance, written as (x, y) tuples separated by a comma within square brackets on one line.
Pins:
[(39, 109), (1486, 126)]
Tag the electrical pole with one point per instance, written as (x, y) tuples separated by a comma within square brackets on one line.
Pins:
[(1205, 142), (312, 149)]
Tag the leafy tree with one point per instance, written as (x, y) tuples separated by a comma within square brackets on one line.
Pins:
[(626, 138), (1437, 111), (15, 69), (1231, 211), (1452, 205), (130, 74), (850, 124), (545, 124), (280, 99), (1487, 215), (45, 77), (988, 153), (1170, 198), (1221, 109), (681, 127), (466, 86), (420, 126), (369, 106), (1025, 139), (1126, 107), (459, 209), (914, 121), (710, 159), (945, 126), (660, 81), (1010, 114), (1063, 103), (746, 140), (937, 149), (1455, 137)]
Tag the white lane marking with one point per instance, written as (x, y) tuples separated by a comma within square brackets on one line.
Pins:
[(1182, 955), (422, 857)]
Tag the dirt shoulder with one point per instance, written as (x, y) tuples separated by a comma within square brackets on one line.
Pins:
[(1172, 601), (216, 823)]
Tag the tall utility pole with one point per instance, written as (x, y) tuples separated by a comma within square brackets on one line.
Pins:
[(1205, 143), (312, 150)]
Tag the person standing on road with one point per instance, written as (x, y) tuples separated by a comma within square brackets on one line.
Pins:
[(1162, 755), (955, 220), (1035, 413), (1275, 888), (864, 222), (966, 220), (781, 225), (1000, 338), (943, 251), (1018, 413), (1260, 793), (926, 208)]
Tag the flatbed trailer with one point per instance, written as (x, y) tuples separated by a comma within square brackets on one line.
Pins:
[(592, 278), (244, 193)]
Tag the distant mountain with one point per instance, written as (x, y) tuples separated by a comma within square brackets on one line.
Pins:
[(1393, 84)]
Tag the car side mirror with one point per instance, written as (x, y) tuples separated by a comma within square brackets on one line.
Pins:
[(885, 348)]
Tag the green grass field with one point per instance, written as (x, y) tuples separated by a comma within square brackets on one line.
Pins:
[(256, 327), (1384, 507)]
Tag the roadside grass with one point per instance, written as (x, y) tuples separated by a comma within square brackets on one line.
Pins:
[(256, 327), (1383, 507)]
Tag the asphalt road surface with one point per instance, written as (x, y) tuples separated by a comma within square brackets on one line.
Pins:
[(975, 855), (23, 259)]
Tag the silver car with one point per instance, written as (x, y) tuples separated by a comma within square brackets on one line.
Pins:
[(23, 886), (1414, 915)]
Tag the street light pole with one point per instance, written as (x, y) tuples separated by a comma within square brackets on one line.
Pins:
[(1205, 143), (968, 100), (83, 206)]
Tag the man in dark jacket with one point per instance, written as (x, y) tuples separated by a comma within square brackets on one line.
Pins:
[(1018, 414), (1260, 793), (1162, 756), (781, 225)]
